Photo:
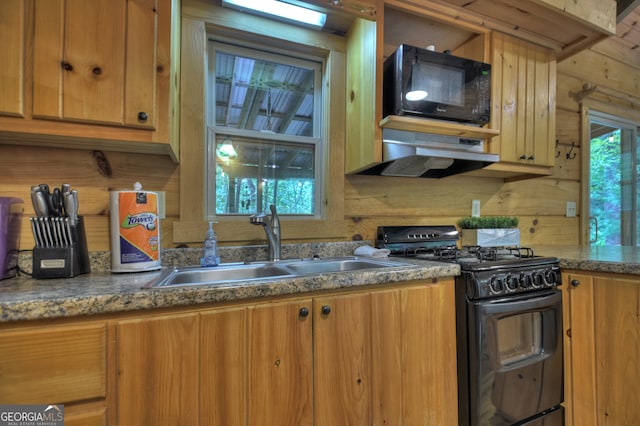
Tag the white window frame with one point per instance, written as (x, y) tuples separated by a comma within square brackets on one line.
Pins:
[(318, 140)]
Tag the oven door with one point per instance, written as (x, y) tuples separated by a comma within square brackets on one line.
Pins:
[(515, 359)]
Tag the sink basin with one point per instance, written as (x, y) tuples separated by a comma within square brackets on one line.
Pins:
[(320, 266), (247, 272), (223, 274)]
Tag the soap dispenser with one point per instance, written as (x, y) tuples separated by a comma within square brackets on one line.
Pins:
[(210, 248)]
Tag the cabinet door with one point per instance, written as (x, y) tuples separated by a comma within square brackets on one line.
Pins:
[(280, 366), (157, 366), (342, 355), (363, 146), (523, 95), (580, 396), (414, 355), (617, 349), (53, 365), (13, 37), (95, 61), (223, 367)]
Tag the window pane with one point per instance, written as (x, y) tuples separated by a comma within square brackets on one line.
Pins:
[(258, 173), (258, 94), (613, 174), (605, 186)]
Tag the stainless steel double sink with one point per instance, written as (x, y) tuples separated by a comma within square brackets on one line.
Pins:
[(246, 272)]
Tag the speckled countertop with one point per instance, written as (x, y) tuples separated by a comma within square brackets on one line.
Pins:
[(621, 260), (24, 298)]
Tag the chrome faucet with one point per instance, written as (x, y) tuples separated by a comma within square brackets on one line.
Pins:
[(271, 228)]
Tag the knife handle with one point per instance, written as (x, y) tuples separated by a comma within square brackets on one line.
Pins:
[(41, 206), (71, 206)]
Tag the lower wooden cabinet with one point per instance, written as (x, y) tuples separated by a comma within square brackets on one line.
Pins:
[(383, 356), (602, 348), (368, 357), (158, 370), (64, 364), (414, 356), (280, 383)]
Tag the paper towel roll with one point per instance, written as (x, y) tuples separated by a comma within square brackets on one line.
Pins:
[(135, 230)]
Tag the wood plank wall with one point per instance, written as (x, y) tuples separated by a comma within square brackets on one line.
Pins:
[(370, 201), (93, 174)]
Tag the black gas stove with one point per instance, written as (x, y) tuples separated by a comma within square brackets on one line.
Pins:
[(486, 271), (508, 325)]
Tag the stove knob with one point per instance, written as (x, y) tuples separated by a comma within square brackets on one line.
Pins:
[(526, 281), (512, 283), (550, 277), (496, 285), (537, 280)]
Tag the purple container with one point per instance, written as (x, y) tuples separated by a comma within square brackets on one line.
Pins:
[(10, 217)]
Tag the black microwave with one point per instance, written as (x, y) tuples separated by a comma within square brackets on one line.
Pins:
[(426, 83)]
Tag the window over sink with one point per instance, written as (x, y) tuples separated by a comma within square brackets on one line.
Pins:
[(205, 21), (264, 138)]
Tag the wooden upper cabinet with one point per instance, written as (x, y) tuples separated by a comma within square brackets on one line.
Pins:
[(363, 138), (101, 50), (103, 75), (523, 43), (524, 106), (12, 55), (80, 56)]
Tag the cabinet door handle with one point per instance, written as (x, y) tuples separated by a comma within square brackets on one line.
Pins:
[(304, 312), (142, 116), (326, 309), (575, 283)]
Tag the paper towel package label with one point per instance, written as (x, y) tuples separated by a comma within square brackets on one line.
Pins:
[(138, 229), (135, 231)]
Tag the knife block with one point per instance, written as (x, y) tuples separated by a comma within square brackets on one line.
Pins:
[(63, 262)]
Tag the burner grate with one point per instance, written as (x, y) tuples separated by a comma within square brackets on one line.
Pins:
[(466, 254), (489, 254)]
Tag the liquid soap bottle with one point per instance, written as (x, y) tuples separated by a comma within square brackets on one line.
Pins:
[(210, 248)]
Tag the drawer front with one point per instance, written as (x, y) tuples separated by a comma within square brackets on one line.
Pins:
[(54, 365), (97, 417)]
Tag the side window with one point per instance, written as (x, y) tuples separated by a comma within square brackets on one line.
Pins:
[(264, 141), (614, 170)]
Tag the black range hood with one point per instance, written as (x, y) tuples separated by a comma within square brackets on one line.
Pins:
[(414, 154)]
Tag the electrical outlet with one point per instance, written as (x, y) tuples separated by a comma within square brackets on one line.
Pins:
[(571, 209), (475, 208)]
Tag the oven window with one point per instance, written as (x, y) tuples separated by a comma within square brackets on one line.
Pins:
[(519, 337)]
